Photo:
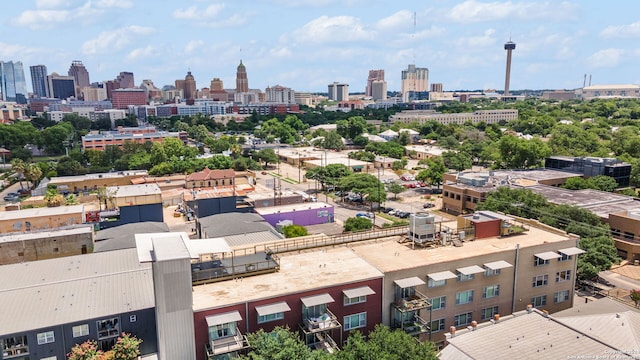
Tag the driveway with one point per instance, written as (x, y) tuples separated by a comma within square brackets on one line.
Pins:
[(621, 281)]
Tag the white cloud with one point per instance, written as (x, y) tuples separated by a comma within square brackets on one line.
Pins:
[(49, 13), (475, 11), (51, 4), (194, 13), (12, 51), (108, 41), (622, 31), (193, 45), (138, 53), (123, 4), (331, 30), (282, 52), (606, 58), (481, 41), (401, 19), (42, 19)]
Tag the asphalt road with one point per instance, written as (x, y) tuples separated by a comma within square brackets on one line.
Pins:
[(620, 281)]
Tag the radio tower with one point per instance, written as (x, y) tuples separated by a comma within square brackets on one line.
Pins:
[(509, 46)]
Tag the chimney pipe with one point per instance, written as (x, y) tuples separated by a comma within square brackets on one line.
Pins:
[(496, 317), (452, 330), (474, 325), (529, 308), (546, 313)]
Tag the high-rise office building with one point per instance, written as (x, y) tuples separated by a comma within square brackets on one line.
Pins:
[(414, 79), (39, 80), (79, 73), (436, 87), (60, 87), (242, 82), (280, 94), (125, 79), (189, 86), (217, 91), (338, 91), (379, 90), (374, 75), (13, 86)]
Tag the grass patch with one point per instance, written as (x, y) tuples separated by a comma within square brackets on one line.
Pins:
[(388, 217), (287, 180)]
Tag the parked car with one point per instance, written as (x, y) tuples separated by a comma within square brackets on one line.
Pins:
[(386, 210), (403, 214), (428, 205), (365, 214), (12, 196), (436, 191)]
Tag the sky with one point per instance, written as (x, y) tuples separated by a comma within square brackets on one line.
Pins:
[(308, 44)]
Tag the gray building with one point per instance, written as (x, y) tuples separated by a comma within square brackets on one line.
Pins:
[(13, 86), (51, 305), (39, 80)]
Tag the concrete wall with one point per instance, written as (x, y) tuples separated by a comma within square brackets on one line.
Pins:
[(41, 222), (302, 217), (47, 246)]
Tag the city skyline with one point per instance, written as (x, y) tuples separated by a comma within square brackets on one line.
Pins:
[(311, 44)]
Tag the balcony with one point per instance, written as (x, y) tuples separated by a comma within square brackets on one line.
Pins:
[(15, 351), (325, 322), (326, 343), (226, 345), (414, 327), (416, 301)]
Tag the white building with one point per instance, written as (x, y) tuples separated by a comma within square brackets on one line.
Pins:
[(338, 91), (379, 90), (280, 94), (414, 79), (423, 116), (610, 91)]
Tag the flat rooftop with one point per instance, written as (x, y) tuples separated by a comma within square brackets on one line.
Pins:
[(338, 160), (298, 273), (109, 175), (391, 256), (40, 212), (66, 290), (292, 207), (134, 190), (32, 235)]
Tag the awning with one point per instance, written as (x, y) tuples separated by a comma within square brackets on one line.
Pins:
[(357, 292), (310, 301), (223, 318), (572, 251), (469, 270), (497, 265), (547, 255), (442, 275), (409, 282), (274, 308)]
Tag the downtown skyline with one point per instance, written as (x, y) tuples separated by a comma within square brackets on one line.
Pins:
[(306, 45)]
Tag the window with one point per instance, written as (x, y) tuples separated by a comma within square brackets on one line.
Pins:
[(464, 297), (46, 337), (564, 257), (491, 291), (438, 303), (270, 317), (354, 300), (435, 283), (490, 272), (488, 313), (133, 318), (539, 261), (223, 330), (437, 325), (563, 276), (561, 296), (538, 301), (462, 319), (540, 280), (13, 346), (463, 277), (80, 330), (355, 321), (108, 328)]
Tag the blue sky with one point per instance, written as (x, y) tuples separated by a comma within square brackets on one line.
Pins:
[(307, 44)]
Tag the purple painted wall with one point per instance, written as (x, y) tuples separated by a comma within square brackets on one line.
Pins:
[(302, 217)]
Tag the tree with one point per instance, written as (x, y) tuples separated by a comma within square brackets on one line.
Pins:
[(88, 350), (328, 175), (365, 185), (52, 197), (458, 161), (635, 297), (404, 138), (281, 343), (20, 168), (435, 171), (352, 127), (333, 141), (126, 348), (602, 183), (266, 155), (33, 173), (357, 224), (386, 344), (395, 189), (291, 231), (519, 153)]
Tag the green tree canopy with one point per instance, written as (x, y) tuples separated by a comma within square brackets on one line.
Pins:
[(357, 224), (328, 175), (435, 171), (386, 344), (291, 231)]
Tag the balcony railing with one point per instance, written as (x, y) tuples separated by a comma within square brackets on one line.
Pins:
[(16, 350), (324, 322), (226, 345), (414, 327), (325, 342), (414, 302)]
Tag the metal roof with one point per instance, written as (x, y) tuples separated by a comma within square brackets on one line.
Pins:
[(123, 236), (571, 251), (162, 246), (34, 235), (197, 247), (547, 255), (252, 238), (310, 301), (274, 308), (134, 190), (469, 270), (442, 275), (65, 290), (234, 223), (496, 265), (223, 318), (41, 212), (357, 292), (409, 282)]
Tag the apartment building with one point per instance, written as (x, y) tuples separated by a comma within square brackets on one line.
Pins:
[(101, 140), (423, 116), (472, 270)]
